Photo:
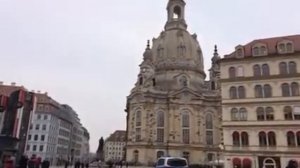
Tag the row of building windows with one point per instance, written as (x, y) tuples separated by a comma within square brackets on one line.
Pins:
[(39, 117), (36, 137), (261, 49), (37, 127), (265, 113), (265, 91), (185, 124), (265, 139), (285, 68), (34, 148)]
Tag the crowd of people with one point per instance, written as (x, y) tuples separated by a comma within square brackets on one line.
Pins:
[(24, 162)]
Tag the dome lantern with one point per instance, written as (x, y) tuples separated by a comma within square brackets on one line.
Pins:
[(176, 15)]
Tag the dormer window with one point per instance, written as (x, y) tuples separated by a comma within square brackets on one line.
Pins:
[(259, 50), (239, 52), (285, 47)]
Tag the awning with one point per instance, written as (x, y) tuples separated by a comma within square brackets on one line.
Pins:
[(247, 162), (236, 161)]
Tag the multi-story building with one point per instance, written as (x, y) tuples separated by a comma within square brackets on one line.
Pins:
[(85, 147), (16, 108), (172, 110), (261, 103), (114, 146)]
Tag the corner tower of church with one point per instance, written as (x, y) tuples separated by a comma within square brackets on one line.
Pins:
[(172, 110)]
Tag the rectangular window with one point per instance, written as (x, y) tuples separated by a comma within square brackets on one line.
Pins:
[(29, 137), (36, 137), (186, 136), (209, 138), (41, 148), (37, 127), (34, 148), (42, 137), (296, 111), (160, 135), (44, 127), (45, 117), (138, 136)]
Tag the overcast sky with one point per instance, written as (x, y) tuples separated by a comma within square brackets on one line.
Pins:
[(86, 53)]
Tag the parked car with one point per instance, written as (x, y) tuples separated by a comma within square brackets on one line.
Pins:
[(171, 162)]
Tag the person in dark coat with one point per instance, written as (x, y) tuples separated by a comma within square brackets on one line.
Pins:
[(66, 164), (45, 164), (77, 164), (23, 161), (87, 165), (82, 165)]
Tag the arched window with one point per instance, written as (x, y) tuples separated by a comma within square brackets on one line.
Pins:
[(267, 91), (285, 88), (235, 114), (272, 139), (298, 138), (138, 119), (181, 49), (209, 129), (262, 139), (237, 163), (247, 163), (209, 121), (260, 114), (160, 51), (291, 139), (256, 70), (240, 71), (269, 163), (233, 93), (265, 70), (236, 139), (258, 91), (160, 126), (232, 72), (243, 114), (159, 154), (160, 119), (244, 137), (269, 113), (186, 128), (185, 120), (295, 89), (255, 51), (292, 67), (288, 112), (177, 12), (136, 156), (263, 50), (289, 47), (241, 92), (283, 68)]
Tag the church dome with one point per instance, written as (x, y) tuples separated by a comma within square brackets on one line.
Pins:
[(176, 48)]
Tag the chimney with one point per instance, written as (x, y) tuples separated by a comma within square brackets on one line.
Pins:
[(46, 93), (39, 91), (1, 83), (13, 83), (32, 91)]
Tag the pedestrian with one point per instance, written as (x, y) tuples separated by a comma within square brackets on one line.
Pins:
[(126, 164), (8, 162), (82, 164), (32, 162), (23, 161), (87, 164), (45, 164), (66, 164)]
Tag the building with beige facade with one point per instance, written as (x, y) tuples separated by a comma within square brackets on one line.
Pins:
[(172, 110), (261, 103), (114, 146)]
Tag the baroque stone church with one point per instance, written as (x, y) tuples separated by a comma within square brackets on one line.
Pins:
[(172, 110)]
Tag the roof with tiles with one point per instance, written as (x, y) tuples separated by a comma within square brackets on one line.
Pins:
[(271, 44), (6, 90), (117, 136)]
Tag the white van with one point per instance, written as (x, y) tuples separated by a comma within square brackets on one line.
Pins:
[(171, 162)]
